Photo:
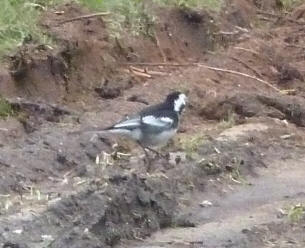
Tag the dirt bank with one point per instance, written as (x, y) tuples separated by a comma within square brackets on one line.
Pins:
[(240, 145)]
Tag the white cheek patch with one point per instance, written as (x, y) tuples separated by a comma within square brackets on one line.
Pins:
[(181, 101)]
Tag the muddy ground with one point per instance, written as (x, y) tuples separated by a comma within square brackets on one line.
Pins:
[(236, 168)]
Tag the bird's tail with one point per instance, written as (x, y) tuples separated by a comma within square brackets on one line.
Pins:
[(92, 130)]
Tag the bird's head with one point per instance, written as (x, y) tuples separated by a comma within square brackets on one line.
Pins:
[(177, 100)]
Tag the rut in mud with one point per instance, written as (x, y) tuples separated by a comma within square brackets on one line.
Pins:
[(235, 167)]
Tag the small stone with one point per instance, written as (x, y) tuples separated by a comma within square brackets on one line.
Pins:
[(281, 213), (47, 237), (18, 231), (176, 158), (206, 203)]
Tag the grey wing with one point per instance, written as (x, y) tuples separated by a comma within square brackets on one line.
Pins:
[(157, 122), (128, 123)]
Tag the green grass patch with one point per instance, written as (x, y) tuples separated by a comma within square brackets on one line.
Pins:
[(197, 4), (296, 213), (131, 14), (6, 109), (19, 23), (137, 16), (19, 18), (290, 4), (190, 145), (228, 122)]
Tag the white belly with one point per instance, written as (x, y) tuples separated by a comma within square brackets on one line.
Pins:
[(159, 139), (135, 134), (153, 140)]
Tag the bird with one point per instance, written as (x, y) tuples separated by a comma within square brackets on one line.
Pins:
[(154, 125)]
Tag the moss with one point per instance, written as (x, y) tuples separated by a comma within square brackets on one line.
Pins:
[(6, 109), (296, 213)]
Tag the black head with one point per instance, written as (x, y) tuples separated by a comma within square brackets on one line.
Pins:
[(176, 100)]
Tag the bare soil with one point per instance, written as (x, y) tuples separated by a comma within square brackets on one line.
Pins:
[(234, 169)]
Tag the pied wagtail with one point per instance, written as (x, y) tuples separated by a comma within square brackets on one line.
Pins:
[(154, 125)]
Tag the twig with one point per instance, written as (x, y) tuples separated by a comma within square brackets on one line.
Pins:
[(159, 64), (241, 74), (268, 14), (157, 73), (263, 18), (242, 29), (280, 16), (141, 74), (247, 66), (257, 73), (292, 45), (227, 33), (84, 17), (213, 69), (146, 71), (238, 30), (136, 69), (247, 50)]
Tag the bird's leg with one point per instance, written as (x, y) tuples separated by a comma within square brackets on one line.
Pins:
[(143, 148), (160, 155), (147, 159), (154, 151)]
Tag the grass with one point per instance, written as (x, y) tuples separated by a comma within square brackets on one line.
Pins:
[(228, 122), (6, 109), (19, 18), (137, 16), (290, 4), (132, 14), (236, 174), (190, 145), (18, 23), (198, 4), (296, 213)]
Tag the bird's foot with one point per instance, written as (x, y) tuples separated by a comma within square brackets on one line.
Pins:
[(158, 154)]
